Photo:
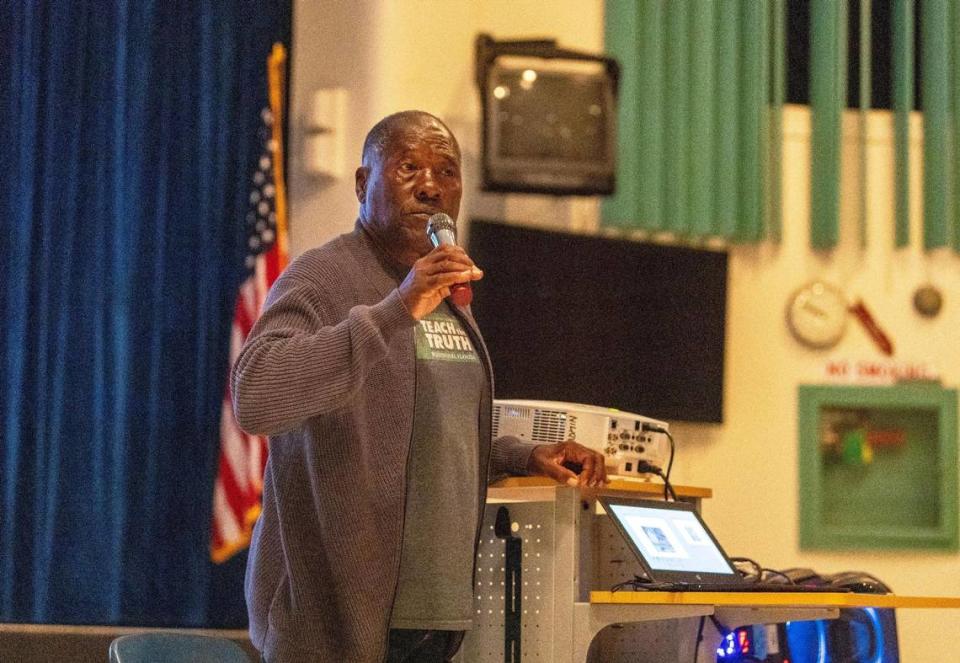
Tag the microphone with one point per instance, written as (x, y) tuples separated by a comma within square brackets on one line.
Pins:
[(442, 231)]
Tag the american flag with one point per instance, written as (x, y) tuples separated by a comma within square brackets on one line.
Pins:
[(239, 483)]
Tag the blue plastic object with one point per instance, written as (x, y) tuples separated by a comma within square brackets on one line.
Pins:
[(175, 648)]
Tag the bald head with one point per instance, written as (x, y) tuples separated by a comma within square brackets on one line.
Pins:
[(410, 171), (380, 136)]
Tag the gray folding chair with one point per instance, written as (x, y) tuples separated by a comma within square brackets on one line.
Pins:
[(175, 648)]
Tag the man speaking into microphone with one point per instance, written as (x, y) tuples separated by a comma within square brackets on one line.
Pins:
[(375, 388)]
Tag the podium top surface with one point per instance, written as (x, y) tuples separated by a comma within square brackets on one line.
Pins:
[(774, 599), (536, 488)]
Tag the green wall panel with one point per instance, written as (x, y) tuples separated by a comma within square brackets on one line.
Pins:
[(694, 140), (677, 121), (653, 152), (937, 136), (827, 98), (726, 130), (903, 19), (778, 85), (621, 36), (700, 161), (753, 99)]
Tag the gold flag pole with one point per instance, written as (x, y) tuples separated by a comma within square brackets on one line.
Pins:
[(276, 68)]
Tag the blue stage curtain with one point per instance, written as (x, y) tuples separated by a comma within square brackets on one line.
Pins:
[(127, 142)]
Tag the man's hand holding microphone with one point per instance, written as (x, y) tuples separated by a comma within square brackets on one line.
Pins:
[(444, 272)]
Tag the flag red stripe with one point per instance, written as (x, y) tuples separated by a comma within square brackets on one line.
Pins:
[(243, 317), (237, 498), (273, 264)]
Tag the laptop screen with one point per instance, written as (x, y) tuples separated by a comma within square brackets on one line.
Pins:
[(670, 539)]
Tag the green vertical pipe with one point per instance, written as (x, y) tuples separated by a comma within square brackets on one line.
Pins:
[(622, 41), (827, 68), (652, 25), (701, 94), (865, 103), (763, 108), (677, 109), (902, 105), (778, 67), (937, 146), (753, 89), (726, 128), (955, 161)]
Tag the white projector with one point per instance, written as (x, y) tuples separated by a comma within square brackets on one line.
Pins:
[(624, 439)]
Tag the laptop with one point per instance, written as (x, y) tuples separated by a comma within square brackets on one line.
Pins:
[(678, 551)]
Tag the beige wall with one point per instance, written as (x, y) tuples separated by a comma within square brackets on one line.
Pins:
[(399, 54)]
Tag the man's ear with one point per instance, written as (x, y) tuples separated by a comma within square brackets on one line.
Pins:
[(361, 183)]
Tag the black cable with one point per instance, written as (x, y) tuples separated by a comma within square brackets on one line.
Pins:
[(696, 647), (666, 478), (667, 487), (722, 630), (626, 583), (757, 569), (856, 575), (654, 428), (639, 584), (644, 466), (847, 577), (774, 572)]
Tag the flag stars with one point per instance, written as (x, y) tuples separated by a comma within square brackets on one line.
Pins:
[(261, 218)]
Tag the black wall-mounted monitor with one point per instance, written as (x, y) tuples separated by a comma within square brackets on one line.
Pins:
[(549, 118), (615, 323)]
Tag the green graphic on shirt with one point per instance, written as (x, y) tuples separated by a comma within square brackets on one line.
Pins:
[(440, 337)]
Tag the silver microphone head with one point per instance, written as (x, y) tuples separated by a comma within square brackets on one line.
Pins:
[(441, 229)]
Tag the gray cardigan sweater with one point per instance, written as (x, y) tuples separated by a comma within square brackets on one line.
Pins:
[(329, 372)]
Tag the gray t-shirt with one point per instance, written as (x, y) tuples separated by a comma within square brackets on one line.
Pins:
[(436, 564)]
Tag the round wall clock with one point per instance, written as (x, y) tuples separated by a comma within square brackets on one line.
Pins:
[(817, 314)]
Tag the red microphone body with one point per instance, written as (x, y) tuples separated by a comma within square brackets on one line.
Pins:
[(442, 231)]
